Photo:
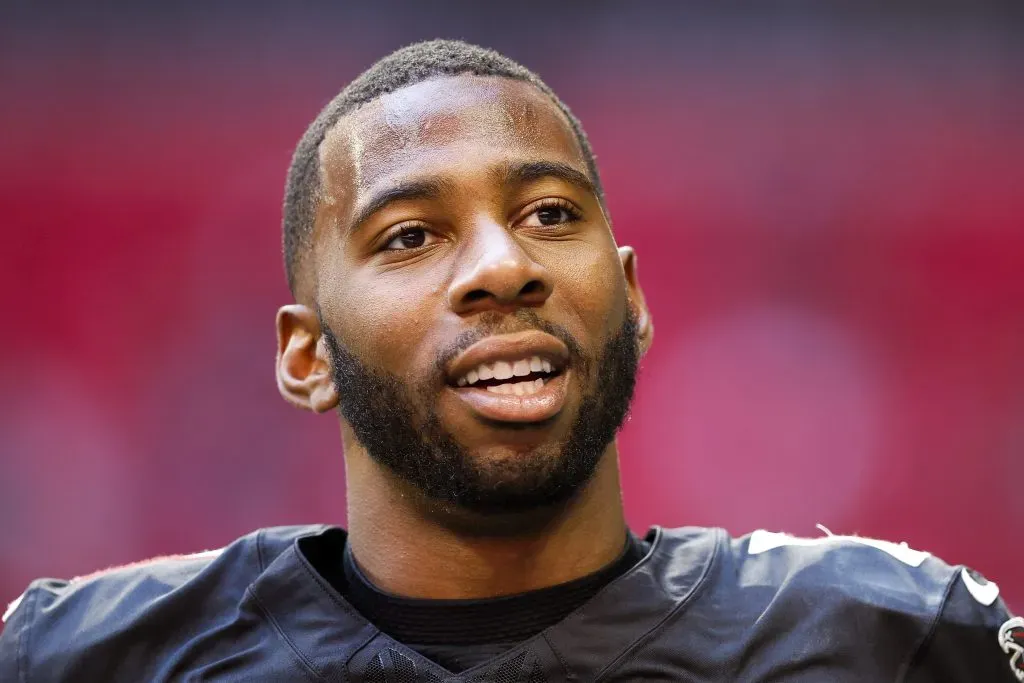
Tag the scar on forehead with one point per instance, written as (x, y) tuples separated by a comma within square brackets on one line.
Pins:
[(519, 110)]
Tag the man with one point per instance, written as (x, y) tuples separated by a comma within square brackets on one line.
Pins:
[(460, 299)]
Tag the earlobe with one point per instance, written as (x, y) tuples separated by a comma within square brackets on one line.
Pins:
[(303, 368), (644, 324)]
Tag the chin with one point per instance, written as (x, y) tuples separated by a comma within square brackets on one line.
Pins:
[(522, 443)]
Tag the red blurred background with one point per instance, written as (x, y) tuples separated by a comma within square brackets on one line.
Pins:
[(827, 205)]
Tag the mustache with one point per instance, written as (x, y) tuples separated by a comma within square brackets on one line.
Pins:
[(522, 320)]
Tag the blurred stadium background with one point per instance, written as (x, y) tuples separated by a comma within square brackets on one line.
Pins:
[(827, 201)]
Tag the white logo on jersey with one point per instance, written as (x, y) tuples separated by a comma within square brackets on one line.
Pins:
[(11, 607), (986, 593), (1011, 639), (762, 541)]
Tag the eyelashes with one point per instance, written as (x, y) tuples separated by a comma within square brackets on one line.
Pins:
[(552, 212), (546, 213), (409, 237)]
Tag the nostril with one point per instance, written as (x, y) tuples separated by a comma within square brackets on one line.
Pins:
[(532, 287), (502, 295)]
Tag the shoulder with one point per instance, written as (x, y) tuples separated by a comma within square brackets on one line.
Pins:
[(904, 613), (844, 573), (133, 588), (55, 620), (939, 622), (837, 568)]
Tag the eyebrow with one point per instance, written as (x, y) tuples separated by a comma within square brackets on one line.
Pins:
[(513, 173), (520, 172), (428, 188)]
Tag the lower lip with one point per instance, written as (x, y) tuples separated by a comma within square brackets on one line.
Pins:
[(542, 405)]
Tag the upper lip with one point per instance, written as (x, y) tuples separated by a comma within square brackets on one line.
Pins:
[(509, 347)]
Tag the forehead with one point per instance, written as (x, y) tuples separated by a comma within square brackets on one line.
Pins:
[(427, 126)]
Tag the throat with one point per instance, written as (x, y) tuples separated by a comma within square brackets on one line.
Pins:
[(411, 545)]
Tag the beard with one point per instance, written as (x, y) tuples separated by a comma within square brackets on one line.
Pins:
[(399, 428)]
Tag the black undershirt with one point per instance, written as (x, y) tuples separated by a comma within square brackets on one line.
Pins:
[(460, 634)]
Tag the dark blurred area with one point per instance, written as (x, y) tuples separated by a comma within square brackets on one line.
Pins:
[(827, 202)]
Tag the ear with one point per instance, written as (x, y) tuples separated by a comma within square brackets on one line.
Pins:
[(303, 366), (645, 328)]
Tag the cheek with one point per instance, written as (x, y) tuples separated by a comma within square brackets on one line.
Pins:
[(594, 286), (385, 318)]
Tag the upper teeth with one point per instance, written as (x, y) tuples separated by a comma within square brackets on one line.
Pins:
[(504, 370)]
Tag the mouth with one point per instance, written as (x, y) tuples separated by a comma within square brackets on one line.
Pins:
[(519, 378)]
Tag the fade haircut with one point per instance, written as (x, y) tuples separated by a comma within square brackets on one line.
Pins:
[(407, 66)]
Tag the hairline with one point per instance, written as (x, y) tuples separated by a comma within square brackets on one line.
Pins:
[(543, 89)]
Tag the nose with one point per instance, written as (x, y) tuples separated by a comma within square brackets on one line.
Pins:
[(496, 274)]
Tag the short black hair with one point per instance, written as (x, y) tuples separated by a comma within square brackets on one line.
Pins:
[(407, 66)]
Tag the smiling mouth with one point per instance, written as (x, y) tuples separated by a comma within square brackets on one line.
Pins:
[(520, 377)]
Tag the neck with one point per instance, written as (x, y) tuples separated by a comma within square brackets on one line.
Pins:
[(407, 548)]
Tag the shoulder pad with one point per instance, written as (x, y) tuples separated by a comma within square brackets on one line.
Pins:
[(63, 620), (865, 570), (762, 541)]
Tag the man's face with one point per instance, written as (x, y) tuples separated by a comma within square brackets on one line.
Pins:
[(473, 301)]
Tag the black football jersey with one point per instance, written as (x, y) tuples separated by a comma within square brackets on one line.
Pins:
[(700, 607)]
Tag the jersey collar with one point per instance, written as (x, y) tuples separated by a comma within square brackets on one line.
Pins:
[(327, 634)]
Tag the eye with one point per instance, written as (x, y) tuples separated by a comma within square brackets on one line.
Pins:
[(551, 213), (411, 237)]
